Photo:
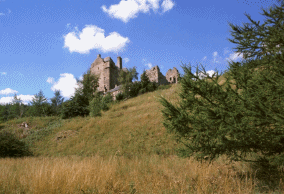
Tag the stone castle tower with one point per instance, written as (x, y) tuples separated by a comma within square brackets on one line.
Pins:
[(107, 71)]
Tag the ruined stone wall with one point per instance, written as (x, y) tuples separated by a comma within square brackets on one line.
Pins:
[(172, 75), (107, 72), (155, 75)]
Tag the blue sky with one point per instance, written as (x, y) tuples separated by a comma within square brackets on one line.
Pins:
[(46, 44)]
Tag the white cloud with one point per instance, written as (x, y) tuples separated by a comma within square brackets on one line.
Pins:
[(201, 75), (66, 83), (235, 56), (25, 99), (50, 80), (3, 73), (149, 65), (204, 58), (2, 14), (7, 91), (167, 5), (126, 60), (92, 37), (129, 9)]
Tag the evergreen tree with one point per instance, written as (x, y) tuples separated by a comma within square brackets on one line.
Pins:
[(144, 79), (39, 105), (240, 118), (57, 101), (78, 105), (17, 108)]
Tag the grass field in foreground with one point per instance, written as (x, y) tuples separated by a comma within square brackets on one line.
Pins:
[(127, 150)]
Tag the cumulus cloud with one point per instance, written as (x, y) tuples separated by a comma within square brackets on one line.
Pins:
[(167, 5), (50, 80), (201, 75), (7, 91), (126, 60), (235, 56), (8, 99), (66, 84), (129, 9), (92, 37), (149, 65), (3, 73)]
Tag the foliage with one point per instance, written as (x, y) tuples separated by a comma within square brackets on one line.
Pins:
[(78, 105), (39, 106), (134, 89), (106, 100), (163, 87), (119, 96), (95, 106), (144, 79), (10, 146), (56, 102), (125, 78), (245, 121)]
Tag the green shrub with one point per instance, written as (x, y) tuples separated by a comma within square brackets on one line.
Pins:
[(10, 146), (163, 87), (106, 100), (95, 106), (76, 106), (119, 96)]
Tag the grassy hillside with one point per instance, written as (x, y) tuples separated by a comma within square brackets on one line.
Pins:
[(127, 150)]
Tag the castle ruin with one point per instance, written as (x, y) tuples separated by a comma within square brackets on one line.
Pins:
[(108, 74)]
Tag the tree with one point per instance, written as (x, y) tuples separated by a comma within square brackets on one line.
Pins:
[(88, 86), (17, 107), (144, 79), (125, 79), (240, 118), (57, 101), (78, 105), (39, 105)]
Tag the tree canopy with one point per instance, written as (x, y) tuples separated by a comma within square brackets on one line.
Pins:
[(240, 118)]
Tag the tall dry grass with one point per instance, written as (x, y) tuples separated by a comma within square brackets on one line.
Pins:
[(154, 174), (127, 150)]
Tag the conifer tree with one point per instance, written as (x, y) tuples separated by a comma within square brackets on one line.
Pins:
[(243, 117), (57, 101)]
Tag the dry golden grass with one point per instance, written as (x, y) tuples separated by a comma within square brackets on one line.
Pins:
[(149, 174), (127, 150)]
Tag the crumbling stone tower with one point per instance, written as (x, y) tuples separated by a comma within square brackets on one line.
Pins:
[(155, 75), (107, 71), (172, 75)]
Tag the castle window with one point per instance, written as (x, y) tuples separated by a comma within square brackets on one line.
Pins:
[(105, 78), (170, 79), (98, 68)]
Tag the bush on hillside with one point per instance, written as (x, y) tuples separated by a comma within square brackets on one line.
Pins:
[(120, 96), (105, 102), (163, 87), (95, 106), (10, 146), (76, 106)]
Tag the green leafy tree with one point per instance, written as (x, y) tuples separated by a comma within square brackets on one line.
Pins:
[(125, 79), (243, 117)]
